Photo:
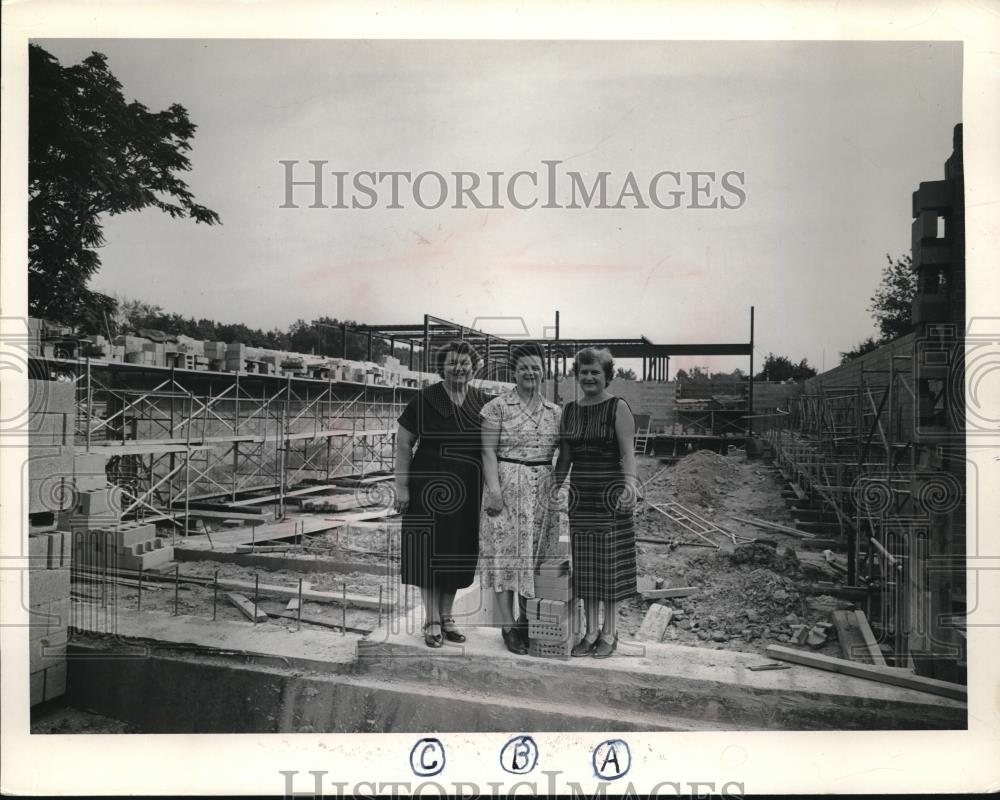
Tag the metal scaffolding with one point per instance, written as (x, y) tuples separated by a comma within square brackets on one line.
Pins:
[(172, 436)]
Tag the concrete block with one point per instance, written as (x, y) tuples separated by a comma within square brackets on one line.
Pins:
[(545, 610), (50, 479), (37, 687), (49, 550), (554, 567), (52, 397), (933, 253), (925, 226), (46, 684), (130, 343), (48, 651), (50, 617), (38, 551), (89, 483), (99, 503), (140, 357), (558, 650), (933, 196), (55, 681), (553, 591), (154, 558), (134, 533), (45, 585), (50, 427)]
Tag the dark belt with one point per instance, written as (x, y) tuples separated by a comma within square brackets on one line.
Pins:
[(525, 463)]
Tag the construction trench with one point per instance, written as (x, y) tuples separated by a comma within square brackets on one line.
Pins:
[(213, 546)]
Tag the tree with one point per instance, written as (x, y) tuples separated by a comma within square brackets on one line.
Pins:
[(91, 153), (865, 346), (781, 368), (892, 303), (891, 306), (625, 374)]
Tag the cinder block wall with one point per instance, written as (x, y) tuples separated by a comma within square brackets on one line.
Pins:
[(658, 398)]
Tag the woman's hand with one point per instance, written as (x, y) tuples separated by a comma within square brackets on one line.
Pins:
[(492, 503), (402, 502), (628, 498)]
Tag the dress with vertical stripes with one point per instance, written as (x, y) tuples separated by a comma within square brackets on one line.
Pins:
[(603, 539)]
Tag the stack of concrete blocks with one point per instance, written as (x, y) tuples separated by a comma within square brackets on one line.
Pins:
[(215, 352), (189, 354), (49, 558), (354, 371), (392, 370), (269, 362), (138, 547), (550, 632), (158, 351), (236, 357), (51, 423), (97, 347), (407, 377)]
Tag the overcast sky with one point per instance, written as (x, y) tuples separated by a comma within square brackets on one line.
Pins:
[(831, 139)]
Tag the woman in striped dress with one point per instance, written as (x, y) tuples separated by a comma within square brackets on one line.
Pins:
[(596, 440)]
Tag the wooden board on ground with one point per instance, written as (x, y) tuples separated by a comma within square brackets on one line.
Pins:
[(320, 622), (312, 595), (336, 502), (362, 516), (366, 481), (675, 591), (852, 643), (245, 605), (263, 533), (771, 526), (891, 675), (201, 513), (869, 638), (655, 623), (293, 604)]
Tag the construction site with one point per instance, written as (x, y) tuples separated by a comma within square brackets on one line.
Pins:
[(214, 546)]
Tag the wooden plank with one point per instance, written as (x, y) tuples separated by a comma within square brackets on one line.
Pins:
[(869, 638), (889, 675), (313, 595), (773, 526), (676, 591), (852, 643), (263, 533), (293, 604), (654, 624), (246, 607), (201, 513), (362, 516), (321, 622)]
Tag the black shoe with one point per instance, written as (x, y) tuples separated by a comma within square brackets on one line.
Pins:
[(584, 648), (432, 639), (513, 640), (605, 648), (451, 635)]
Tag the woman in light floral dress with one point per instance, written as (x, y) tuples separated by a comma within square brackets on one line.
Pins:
[(519, 526)]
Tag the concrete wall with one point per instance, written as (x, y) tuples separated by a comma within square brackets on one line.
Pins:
[(658, 398)]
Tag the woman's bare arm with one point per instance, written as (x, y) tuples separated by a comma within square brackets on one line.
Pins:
[(404, 455)]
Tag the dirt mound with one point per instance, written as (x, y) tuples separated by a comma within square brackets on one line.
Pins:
[(700, 479)]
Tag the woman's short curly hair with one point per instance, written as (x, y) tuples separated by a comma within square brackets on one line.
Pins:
[(595, 355), (519, 351), (459, 347)]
